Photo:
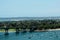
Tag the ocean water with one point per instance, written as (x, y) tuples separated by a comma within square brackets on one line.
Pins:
[(27, 18), (50, 35)]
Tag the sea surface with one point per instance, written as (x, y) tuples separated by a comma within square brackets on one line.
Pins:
[(27, 18), (50, 35)]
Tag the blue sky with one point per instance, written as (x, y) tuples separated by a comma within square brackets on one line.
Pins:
[(29, 8)]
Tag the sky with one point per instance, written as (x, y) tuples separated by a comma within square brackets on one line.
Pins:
[(29, 8)]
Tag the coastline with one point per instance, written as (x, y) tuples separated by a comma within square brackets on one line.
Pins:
[(10, 30), (49, 30), (13, 30), (54, 29)]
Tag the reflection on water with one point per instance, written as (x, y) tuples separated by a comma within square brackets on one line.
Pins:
[(52, 35)]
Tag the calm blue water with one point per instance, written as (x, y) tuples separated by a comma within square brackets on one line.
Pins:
[(51, 35), (27, 18)]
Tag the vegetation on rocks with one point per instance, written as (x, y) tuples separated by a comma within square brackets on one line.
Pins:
[(31, 24)]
